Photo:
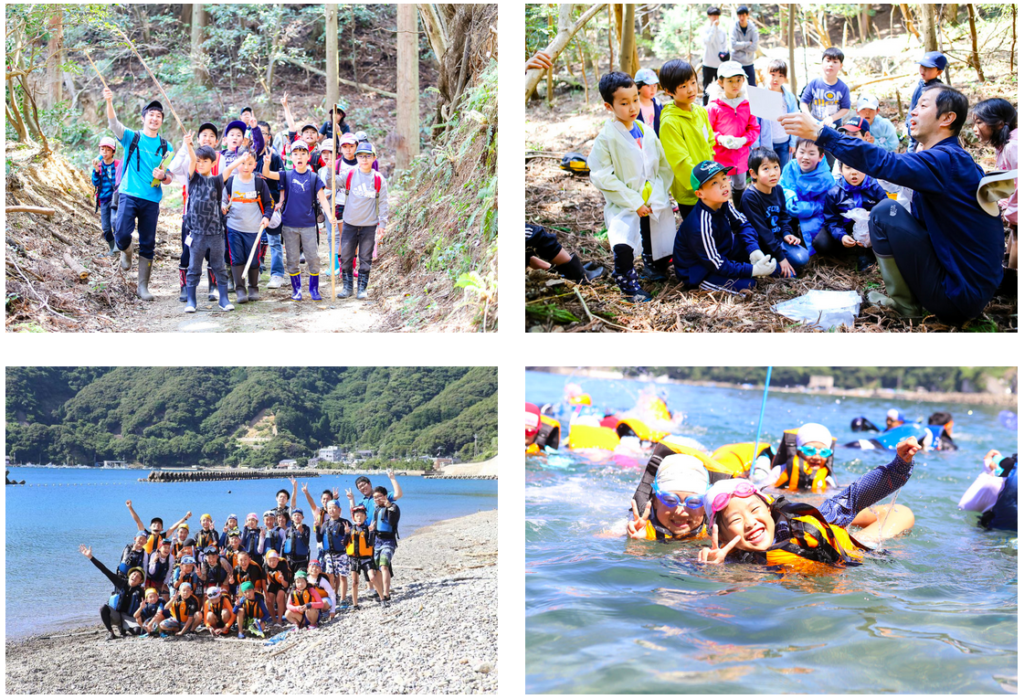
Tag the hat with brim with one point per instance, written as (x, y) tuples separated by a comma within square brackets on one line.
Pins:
[(934, 59), (867, 102), (645, 76), (108, 142), (856, 123), (310, 126), (236, 124), (704, 171), (730, 69), (994, 187), (327, 145), (349, 139), (210, 126), (153, 105), (138, 570), (364, 147), (296, 145)]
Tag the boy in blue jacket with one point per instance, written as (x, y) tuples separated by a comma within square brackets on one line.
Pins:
[(806, 181), (106, 176), (715, 242), (854, 190)]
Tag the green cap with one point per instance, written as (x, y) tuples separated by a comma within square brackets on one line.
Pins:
[(704, 171), (247, 585), (301, 574)]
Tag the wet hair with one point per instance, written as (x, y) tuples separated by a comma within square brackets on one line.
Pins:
[(1000, 116), (612, 82), (675, 73), (801, 141), (779, 66), (155, 520), (950, 100), (206, 153), (380, 489), (939, 418), (762, 155), (833, 53)]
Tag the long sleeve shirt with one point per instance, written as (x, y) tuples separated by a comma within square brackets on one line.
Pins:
[(768, 215), (864, 492), (744, 43), (714, 242)]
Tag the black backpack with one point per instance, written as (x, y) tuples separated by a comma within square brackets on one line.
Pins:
[(133, 147)]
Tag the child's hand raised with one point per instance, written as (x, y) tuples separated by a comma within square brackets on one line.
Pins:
[(715, 555), (907, 448), (284, 101), (85, 551), (188, 139), (637, 529)]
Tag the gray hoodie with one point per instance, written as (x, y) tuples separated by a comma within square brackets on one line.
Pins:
[(715, 41), (744, 43)]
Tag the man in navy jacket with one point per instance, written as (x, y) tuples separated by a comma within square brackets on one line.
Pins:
[(947, 254)]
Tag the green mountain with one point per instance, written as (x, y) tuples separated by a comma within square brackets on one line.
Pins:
[(175, 416)]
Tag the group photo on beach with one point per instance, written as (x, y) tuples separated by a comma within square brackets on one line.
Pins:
[(271, 517), (771, 530), (771, 168), (230, 167)]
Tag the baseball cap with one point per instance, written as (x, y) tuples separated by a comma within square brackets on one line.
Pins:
[(705, 170), (327, 145), (234, 517), (364, 147), (730, 69), (297, 511), (359, 508), (867, 102), (934, 59), (244, 110), (108, 142), (236, 124), (153, 105), (349, 138), (856, 123), (743, 10), (298, 145), (361, 136), (645, 76), (310, 126), (714, 10), (532, 419), (895, 414), (141, 532)]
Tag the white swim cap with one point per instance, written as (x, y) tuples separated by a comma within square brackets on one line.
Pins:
[(813, 432), (681, 473)]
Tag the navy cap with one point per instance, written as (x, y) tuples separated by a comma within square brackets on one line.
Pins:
[(211, 127), (310, 126), (743, 10), (244, 110), (714, 10), (141, 533), (856, 123), (704, 171), (364, 147), (934, 59), (153, 105), (236, 124)]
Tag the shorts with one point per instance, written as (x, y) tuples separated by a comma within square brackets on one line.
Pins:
[(364, 566), (336, 563), (383, 552), (172, 623), (321, 616), (297, 564)]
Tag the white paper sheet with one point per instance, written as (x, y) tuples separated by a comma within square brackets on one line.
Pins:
[(765, 104)]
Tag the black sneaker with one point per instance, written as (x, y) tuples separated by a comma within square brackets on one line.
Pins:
[(630, 287), (650, 272)]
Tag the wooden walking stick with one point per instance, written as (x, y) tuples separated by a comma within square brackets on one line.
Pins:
[(334, 195), (259, 237), (98, 73), (159, 87)]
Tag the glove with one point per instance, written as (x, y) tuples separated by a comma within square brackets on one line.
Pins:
[(763, 267), (755, 256), (732, 142)]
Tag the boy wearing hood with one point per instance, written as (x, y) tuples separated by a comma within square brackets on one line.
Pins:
[(806, 182), (628, 166)]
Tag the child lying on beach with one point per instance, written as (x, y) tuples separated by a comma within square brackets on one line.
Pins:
[(773, 531)]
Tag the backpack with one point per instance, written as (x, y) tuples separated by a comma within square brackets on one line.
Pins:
[(117, 183), (317, 213), (263, 197), (134, 148), (378, 180)]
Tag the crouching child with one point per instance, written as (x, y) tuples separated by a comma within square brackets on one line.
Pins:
[(854, 190), (764, 205)]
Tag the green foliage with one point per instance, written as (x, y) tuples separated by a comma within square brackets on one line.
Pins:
[(181, 416)]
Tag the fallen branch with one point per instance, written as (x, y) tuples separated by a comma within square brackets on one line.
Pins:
[(76, 267), (591, 315), (61, 238), (342, 81), (30, 210)]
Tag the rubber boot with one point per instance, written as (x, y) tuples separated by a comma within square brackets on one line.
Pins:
[(231, 278), (573, 270), (126, 258), (900, 298), (364, 279), (224, 301), (190, 299), (314, 287), (145, 269), (182, 274), (211, 294), (346, 284), (629, 284), (113, 248), (254, 284), (236, 273), (296, 287), (593, 270), (649, 271)]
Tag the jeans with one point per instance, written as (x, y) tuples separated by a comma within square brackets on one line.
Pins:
[(361, 237), (105, 215), (276, 254), (201, 246), (797, 255), (145, 212), (293, 239), (240, 245), (186, 253), (751, 76), (782, 150)]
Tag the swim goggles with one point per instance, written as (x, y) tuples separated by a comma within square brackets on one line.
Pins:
[(670, 499), (809, 451), (743, 490)]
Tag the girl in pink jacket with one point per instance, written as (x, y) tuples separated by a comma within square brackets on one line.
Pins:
[(734, 126)]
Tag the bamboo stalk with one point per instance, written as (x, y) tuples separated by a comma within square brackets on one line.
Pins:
[(155, 81)]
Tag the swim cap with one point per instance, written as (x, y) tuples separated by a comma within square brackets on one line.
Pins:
[(247, 585), (730, 486), (184, 585), (333, 502), (183, 526), (209, 517), (895, 414), (682, 473), (140, 533), (234, 517), (213, 592), (251, 515), (300, 574), (298, 512), (813, 432), (532, 419), (270, 513), (316, 563), (136, 568), (359, 508), (150, 589)]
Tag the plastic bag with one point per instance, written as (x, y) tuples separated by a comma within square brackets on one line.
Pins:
[(860, 225), (822, 309)]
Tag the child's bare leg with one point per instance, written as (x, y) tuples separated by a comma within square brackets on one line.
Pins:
[(281, 608), (899, 520), (343, 582), (377, 582), (312, 615), (355, 588)]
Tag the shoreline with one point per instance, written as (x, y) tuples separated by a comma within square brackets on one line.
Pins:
[(439, 635)]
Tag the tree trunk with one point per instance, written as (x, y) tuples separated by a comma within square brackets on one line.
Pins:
[(54, 59), (566, 31), (928, 33), (331, 36), (647, 21), (200, 62), (583, 69), (140, 12), (1013, 45), (550, 93), (952, 12), (629, 61), (272, 61), (865, 23), (908, 20), (185, 16), (408, 67), (611, 43), (792, 47), (974, 43), (434, 28)]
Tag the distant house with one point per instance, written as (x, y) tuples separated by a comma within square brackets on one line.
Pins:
[(442, 462), (287, 463), (821, 383), (364, 454), (333, 454), (313, 462), (115, 464)]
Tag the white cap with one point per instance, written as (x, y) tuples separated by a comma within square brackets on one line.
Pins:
[(730, 69), (728, 485), (682, 473), (327, 145), (867, 102), (893, 414), (108, 142), (646, 76), (813, 432)]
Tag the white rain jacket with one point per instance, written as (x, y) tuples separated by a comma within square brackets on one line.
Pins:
[(619, 169)]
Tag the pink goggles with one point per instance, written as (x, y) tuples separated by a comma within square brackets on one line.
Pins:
[(743, 490)]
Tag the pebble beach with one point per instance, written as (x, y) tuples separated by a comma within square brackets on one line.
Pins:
[(439, 635)]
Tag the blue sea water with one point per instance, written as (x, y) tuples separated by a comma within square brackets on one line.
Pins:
[(62, 508), (934, 613)]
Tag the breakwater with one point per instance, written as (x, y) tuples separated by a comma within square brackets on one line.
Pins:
[(237, 474)]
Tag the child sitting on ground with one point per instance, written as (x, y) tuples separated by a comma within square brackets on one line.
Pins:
[(251, 611), (304, 604), (628, 166), (715, 241), (686, 132), (148, 615), (736, 129), (806, 181), (854, 127), (854, 190), (764, 205), (365, 218), (106, 177), (543, 251), (217, 612), (650, 109), (881, 132)]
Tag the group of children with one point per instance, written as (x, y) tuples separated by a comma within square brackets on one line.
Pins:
[(242, 191), (250, 577), (754, 201)]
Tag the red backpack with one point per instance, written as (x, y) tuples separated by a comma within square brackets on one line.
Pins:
[(378, 180)]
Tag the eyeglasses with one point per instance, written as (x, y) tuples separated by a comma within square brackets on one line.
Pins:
[(670, 499), (824, 452), (743, 490)]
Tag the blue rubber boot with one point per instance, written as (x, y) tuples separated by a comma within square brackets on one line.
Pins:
[(190, 299), (296, 287), (314, 287), (224, 300)]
